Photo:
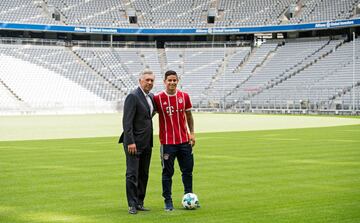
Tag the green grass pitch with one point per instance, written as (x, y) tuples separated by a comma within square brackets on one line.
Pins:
[(294, 175)]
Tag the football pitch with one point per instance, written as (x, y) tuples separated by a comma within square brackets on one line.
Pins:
[(307, 174)]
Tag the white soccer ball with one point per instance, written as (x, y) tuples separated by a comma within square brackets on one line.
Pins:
[(190, 201)]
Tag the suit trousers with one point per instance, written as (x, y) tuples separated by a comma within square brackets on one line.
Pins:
[(137, 175)]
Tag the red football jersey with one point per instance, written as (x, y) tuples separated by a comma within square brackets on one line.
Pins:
[(172, 117)]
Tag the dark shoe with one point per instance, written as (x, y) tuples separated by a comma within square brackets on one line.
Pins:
[(169, 206), (132, 210), (142, 208)]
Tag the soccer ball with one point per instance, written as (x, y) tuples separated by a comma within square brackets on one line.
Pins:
[(190, 201)]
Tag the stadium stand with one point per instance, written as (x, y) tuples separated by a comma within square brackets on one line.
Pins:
[(290, 73), (251, 12), (64, 62), (107, 63), (171, 13), (348, 100), (317, 10), (165, 13), (281, 63), (37, 87), (270, 76), (97, 13), (230, 80), (120, 66), (196, 67), (317, 85), (24, 11), (8, 100)]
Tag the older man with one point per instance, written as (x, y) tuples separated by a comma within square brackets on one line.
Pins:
[(137, 138)]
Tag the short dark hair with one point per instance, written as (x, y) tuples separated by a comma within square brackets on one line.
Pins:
[(170, 72)]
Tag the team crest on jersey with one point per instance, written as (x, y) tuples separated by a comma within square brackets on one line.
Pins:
[(180, 100)]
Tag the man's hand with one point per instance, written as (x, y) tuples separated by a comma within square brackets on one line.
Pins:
[(192, 139), (132, 149)]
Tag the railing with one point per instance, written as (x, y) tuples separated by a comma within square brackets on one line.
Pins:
[(32, 41), (307, 99), (128, 44), (81, 43), (207, 44)]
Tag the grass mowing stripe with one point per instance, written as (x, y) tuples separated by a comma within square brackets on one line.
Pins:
[(256, 176)]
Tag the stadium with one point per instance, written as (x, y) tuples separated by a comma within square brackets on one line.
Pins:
[(275, 89)]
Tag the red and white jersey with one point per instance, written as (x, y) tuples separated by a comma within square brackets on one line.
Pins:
[(172, 117)]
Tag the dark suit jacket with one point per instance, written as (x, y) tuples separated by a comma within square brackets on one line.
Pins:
[(137, 120)]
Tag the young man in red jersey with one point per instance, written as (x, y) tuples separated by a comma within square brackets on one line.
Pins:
[(174, 108)]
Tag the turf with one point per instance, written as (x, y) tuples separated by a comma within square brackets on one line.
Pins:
[(31, 127), (296, 175)]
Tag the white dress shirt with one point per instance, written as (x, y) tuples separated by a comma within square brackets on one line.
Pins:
[(148, 99)]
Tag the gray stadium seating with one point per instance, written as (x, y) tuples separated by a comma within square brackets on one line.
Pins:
[(270, 76), (170, 14)]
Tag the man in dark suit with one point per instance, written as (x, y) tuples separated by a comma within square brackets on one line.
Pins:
[(137, 139)]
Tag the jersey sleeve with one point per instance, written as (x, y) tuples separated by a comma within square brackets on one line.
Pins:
[(188, 104), (157, 103)]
